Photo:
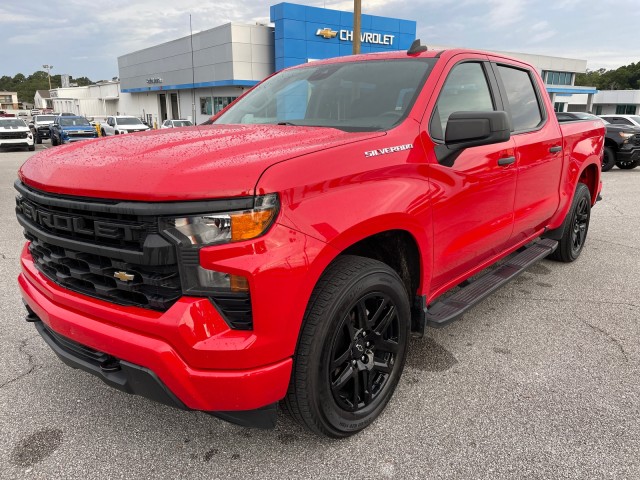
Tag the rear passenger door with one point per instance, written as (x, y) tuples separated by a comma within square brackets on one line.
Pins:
[(538, 142)]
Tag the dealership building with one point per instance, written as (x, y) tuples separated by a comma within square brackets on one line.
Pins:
[(196, 76)]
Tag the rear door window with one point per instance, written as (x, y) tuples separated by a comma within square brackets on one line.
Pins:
[(526, 113)]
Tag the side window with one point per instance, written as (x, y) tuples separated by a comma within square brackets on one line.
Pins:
[(466, 89), (525, 109), (623, 121)]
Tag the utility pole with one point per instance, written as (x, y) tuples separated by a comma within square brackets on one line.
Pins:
[(357, 11), (48, 69), (193, 78)]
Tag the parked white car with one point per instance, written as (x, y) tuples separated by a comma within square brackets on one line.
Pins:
[(14, 132), (629, 120), (122, 124), (176, 123)]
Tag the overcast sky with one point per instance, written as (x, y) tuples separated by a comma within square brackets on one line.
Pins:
[(84, 38)]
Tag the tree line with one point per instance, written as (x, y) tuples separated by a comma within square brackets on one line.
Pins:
[(626, 77), (26, 86)]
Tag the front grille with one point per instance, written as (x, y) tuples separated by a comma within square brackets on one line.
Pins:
[(114, 230), (93, 275), (81, 134), (12, 135)]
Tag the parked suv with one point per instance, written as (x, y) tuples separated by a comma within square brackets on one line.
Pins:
[(176, 123), (40, 126), (122, 124), (15, 133)]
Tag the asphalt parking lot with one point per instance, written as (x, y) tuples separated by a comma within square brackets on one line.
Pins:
[(541, 380)]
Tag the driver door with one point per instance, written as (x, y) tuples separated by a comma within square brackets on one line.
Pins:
[(474, 192)]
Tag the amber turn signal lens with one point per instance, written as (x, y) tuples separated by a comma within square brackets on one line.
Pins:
[(238, 283), (248, 225)]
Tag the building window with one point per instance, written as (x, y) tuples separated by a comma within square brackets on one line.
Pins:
[(557, 78), (212, 105), (205, 105), (6, 99), (625, 109), (221, 102), (598, 109), (558, 107)]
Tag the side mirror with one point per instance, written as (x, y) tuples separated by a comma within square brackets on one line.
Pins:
[(472, 129)]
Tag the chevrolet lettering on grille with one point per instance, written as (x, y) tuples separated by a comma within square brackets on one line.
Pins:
[(75, 224)]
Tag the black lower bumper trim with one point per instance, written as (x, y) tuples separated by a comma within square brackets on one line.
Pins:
[(136, 380), (124, 376)]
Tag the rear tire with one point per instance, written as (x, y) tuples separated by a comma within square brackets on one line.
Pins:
[(576, 226), (608, 159), (627, 164), (352, 347)]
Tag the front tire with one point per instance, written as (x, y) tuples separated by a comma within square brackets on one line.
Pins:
[(54, 142), (576, 226), (31, 148), (351, 349), (38, 140), (608, 159)]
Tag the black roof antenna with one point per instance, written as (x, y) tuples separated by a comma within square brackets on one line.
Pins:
[(416, 47)]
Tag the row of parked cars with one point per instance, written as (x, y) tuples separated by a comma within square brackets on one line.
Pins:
[(68, 128)]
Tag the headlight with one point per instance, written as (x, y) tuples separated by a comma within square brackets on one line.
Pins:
[(194, 232), (626, 135), (227, 227)]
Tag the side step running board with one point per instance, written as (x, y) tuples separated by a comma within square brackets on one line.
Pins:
[(444, 312)]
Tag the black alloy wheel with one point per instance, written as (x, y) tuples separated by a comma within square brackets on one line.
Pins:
[(576, 226), (364, 349), (352, 347), (580, 225)]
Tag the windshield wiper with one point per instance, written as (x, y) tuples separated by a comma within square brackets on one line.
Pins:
[(288, 123)]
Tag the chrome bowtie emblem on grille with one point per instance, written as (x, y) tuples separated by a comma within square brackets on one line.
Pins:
[(124, 276), (359, 347)]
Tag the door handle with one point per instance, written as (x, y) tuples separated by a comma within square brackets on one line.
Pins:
[(503, 162), (555, 149)]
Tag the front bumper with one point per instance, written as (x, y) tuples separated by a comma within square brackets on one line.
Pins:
[(190, 348), (630, 155)]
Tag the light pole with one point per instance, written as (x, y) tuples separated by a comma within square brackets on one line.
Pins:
[(357, 11), (48, 69)]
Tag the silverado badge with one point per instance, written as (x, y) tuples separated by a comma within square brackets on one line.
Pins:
[(124, 276)]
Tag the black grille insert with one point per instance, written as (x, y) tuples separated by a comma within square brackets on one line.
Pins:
[(12, 135), (157, 288)]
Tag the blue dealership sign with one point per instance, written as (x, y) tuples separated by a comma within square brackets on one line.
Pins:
[(303, 34)]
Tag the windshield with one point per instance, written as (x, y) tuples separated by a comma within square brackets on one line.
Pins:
[(182, 123), (12, 123), (44, 118), (128, 121), (74, 122), (355, 96)]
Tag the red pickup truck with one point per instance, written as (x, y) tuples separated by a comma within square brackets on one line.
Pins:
[(286, 252)]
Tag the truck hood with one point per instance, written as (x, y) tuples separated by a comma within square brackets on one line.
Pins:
[(188, 163)]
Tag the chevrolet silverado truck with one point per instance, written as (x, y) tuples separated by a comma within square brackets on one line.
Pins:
[(284, 254), (69, 129), (40, 126)]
